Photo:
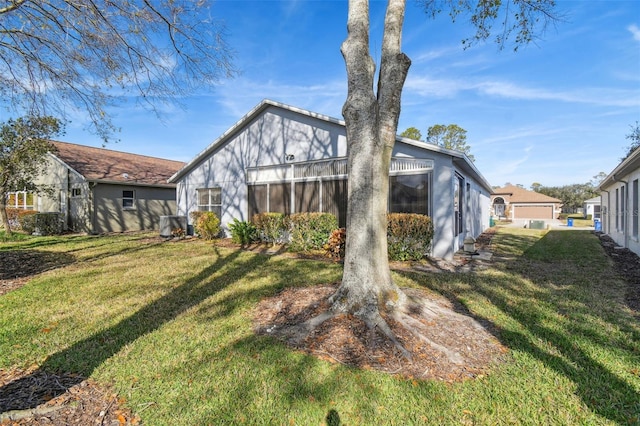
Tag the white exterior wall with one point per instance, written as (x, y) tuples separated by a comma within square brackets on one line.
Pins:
[(623, 233), (276, 132), (263, 142)]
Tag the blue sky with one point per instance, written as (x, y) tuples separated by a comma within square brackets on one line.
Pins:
[(555, 112)]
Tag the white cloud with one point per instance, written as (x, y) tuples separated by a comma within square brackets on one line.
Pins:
[(635, 31)]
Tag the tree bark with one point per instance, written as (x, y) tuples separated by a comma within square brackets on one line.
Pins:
[(371, 124), (3, 215)]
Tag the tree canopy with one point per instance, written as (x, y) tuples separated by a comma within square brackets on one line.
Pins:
[(450, 136), (58, 56), (412, 133), (634, 137), (24, 144)]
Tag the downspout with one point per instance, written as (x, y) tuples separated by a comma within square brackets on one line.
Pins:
[(625, 222)]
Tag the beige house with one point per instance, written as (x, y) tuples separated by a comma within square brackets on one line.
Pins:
[(520, 205), (100, 190)]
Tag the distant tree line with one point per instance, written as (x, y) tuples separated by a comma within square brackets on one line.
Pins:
[(573, 196)]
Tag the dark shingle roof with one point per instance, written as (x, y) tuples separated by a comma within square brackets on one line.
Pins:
[(97, 164)]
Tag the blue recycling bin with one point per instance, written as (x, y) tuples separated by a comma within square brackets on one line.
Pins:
[(570, 221), (597, 225)]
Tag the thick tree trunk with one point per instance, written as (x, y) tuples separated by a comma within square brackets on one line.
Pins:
[(3, 215), (371, 124)]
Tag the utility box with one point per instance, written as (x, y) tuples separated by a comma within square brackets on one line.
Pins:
[(169, 223), (536, 224)]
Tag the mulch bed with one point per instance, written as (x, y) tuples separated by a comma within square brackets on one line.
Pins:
[(35, 397)]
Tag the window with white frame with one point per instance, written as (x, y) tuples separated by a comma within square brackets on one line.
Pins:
[(210, 200), (128, 200)]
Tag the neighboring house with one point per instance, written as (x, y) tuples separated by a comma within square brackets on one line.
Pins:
[(520, 205), (279, 158), (592, 207), (99, 190), (620, 203)]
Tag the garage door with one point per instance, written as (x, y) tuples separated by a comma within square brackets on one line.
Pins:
[(533, 212)]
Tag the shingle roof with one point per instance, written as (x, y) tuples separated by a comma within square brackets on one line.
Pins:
[(521, 195), (99, 164)]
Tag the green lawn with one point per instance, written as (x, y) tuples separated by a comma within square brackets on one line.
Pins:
[(168, 324)]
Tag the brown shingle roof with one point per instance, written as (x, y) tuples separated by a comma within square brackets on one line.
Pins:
[(520, 195), (115, 166)]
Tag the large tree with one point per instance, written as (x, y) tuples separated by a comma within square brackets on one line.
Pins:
[(412, 133), (450, 136), (58, 56), (371, 116), (24, 144)]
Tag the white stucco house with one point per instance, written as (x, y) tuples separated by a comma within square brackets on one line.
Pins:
[(620, 202), (592, 207), (280, 158)]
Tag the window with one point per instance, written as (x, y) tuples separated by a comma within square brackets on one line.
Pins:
[(458, 202), (623, 208), (617, 209), (409, 194), (634, 212), (20, 200), (210, 200), (128, 200)]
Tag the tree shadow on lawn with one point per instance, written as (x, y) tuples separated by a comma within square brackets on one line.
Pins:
[(16, 264), (80, 360), (534, 300)]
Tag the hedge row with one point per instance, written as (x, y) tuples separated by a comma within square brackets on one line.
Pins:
[(409, 236)]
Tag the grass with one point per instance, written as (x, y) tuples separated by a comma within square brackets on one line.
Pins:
[(169, 325)]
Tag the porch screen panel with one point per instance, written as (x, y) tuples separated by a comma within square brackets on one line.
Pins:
[(280, 198), (257, 199), (334, 199), (409, 194), (307, 197)]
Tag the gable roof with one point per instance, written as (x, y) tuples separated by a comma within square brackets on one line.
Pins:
[(459, 158), (105, 165), (521, 195)]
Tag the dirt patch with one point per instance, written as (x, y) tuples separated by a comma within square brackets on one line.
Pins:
[(34, 397), (455, 348)]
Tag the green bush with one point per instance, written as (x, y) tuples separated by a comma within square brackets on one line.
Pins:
[(408, 236), (271, 227), (206, 224), (40, 223), (15, 215), (243, 232), (26, 220), (310, 231)]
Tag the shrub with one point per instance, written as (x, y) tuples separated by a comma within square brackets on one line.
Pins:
[(206, 224), (310, 231), (271, 227), (335, 244), (15, 215), (243, 232), (41, 223), (23, 219), (408, 236)]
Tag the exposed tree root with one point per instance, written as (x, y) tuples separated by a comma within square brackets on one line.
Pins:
[(424, 339)]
